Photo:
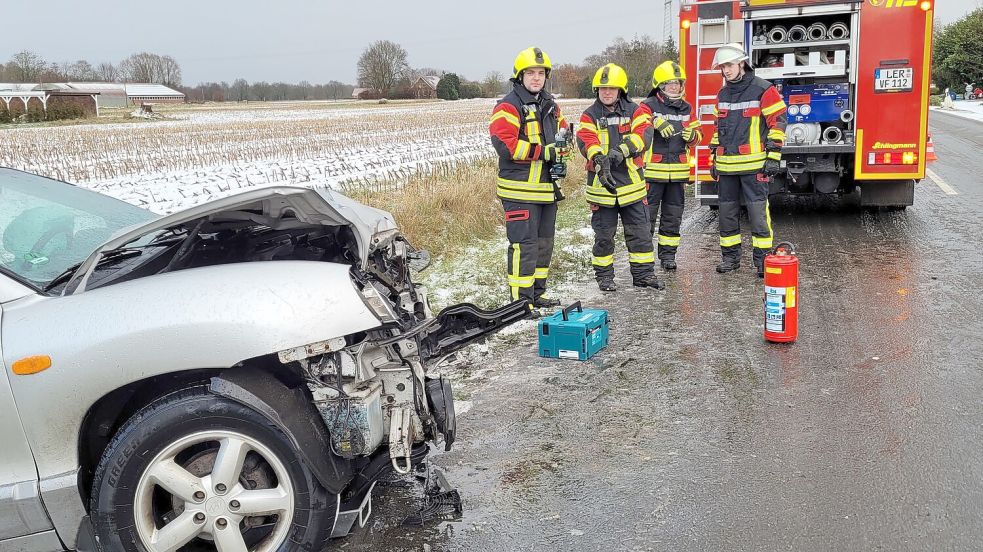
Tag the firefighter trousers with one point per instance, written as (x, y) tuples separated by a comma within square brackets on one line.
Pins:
[(638, 238), (530, 228), (752, 191), (669, 197)]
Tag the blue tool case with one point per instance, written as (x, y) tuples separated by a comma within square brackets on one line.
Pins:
[(574, 332)]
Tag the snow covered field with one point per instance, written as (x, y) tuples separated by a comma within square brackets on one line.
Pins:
[(199, 153)]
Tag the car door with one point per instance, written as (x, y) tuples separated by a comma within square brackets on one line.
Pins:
[(21, 511)]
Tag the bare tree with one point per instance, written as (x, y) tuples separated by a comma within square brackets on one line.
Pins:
[(81, 70), (26, 66), (493, 85), (107, 72), (170, 72), (240, 90), (260, 91), (335, 90), (382, 65), (147, 67), (566, 78), (638, 57)]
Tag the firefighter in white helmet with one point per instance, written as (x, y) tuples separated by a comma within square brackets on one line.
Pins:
[(746, 151)]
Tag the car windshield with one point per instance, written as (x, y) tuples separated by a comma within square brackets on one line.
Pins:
[(47, 226)]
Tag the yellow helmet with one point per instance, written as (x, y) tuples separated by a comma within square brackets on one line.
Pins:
[(668, 71), (531, 57), (611, 76)]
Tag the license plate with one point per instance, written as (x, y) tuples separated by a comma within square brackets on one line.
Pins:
[(893, 80)]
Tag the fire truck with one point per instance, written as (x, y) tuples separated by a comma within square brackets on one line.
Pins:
[(855, 75)]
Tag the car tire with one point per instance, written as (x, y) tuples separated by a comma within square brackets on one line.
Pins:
[(192, 463)]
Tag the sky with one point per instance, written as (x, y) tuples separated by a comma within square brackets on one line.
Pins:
[(320, 40)]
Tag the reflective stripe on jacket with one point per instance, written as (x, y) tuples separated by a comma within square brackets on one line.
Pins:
[(601, 130), (521, 125), (668, 159), (750, 125)]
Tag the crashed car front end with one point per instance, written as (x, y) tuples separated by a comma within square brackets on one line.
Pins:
[(370, 386)]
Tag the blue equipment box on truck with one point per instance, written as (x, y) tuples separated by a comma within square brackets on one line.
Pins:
[(816, 103), (576, 335)]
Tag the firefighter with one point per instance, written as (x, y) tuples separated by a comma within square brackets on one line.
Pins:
[(523, 127), (667, 161), (614, 142), (746, 151)]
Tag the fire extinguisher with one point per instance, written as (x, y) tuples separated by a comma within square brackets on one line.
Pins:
[(781, 294)]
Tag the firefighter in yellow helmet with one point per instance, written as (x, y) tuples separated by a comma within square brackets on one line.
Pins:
[(523, 129), (667, 161), (614, 143)]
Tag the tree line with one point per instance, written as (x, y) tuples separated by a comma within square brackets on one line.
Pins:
[(29, 67), (383, 69), (957, 55)]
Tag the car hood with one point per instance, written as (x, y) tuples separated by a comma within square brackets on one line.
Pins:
[(373, 228)]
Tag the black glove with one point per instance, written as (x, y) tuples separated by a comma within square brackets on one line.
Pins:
[(616, 156), (713, 168), (602, 164), (772, 167)]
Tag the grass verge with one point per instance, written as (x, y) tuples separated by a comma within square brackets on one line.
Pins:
[(458, 218)]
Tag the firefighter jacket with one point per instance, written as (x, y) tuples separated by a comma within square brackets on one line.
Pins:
[(521, 126), (750, 125), (668, 158), (601, 130)]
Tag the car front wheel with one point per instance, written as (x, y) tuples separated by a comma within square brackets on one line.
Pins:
[(194, 472)]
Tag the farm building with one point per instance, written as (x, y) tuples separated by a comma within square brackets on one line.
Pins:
[(103, 94), (425, 87), (20, 98), (138, 94)]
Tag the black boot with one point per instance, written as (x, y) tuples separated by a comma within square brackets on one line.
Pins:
[(669, 264), (759, 261), (607, 284), (728, 265), (542, 302), (650, 280)]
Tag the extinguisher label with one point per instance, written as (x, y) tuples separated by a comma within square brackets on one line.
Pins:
[(790, 298), (775, 308)]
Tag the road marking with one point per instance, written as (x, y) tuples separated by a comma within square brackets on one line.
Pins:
[(949, 190)]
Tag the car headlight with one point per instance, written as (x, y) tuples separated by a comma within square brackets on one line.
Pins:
[(378, 304)]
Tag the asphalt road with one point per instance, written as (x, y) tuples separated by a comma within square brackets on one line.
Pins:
[(689, 432)]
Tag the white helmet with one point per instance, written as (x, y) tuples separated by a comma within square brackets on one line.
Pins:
[(730, 53)]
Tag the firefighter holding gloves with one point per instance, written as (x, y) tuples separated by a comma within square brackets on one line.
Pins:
[(746, 151), (667, 160), (614, 142), (523, 131)]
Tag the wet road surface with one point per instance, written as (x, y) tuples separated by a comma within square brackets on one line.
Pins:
[(689, 432)]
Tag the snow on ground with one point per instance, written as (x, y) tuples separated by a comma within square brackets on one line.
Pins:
[(967, 109), (198, 154), (203, 154)]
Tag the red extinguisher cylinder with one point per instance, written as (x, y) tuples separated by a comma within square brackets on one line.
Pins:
[(782, 294)]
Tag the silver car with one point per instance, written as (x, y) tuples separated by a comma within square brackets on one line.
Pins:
[(235, 376)]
